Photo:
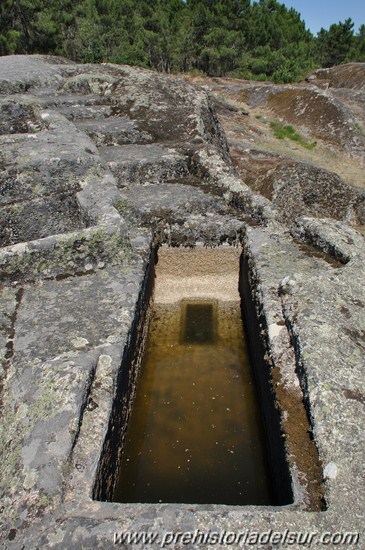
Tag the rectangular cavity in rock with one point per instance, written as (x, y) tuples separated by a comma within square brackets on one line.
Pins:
[(198, 323), (190, 430)]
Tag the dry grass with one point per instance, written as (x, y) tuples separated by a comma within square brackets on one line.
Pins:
[(255, 132)]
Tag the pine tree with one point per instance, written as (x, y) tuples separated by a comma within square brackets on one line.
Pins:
[(334, 45), (262, 40)]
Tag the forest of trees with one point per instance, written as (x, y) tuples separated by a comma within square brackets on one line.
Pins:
[(263, 40)]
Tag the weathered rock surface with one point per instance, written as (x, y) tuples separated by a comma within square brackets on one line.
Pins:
[(298, 180), (312, 111), (99, 165), (299, 188), (350, 76)]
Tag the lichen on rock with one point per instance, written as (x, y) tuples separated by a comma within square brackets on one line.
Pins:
[(99, 166)]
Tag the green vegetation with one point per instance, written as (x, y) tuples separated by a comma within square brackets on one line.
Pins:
[(262, 119), (339, 45), (262, 40), (360, 128), (281, 132)]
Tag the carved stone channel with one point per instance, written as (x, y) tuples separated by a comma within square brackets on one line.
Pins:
[(196, 418)]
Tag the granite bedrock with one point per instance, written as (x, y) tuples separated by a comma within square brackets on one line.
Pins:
[(101, 165)]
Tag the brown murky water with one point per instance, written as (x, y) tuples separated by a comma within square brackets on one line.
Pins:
[(195, 433)]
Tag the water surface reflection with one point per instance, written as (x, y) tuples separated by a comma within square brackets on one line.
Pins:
[(195, 433)]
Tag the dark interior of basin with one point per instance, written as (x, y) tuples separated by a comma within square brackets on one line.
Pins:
[(192, 429), (198, 323)]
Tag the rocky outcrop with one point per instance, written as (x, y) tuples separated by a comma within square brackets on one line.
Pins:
[(298, 189), (350, 75), (100, 165), (308, 175), (312, 111)]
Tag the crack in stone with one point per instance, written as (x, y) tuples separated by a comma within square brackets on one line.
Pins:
[(9, 346), (10, 341)]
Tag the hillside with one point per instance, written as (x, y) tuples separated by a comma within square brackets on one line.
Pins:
[(327, 153), (101, 165)]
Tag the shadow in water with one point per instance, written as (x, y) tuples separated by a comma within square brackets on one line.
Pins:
[(195, 434)]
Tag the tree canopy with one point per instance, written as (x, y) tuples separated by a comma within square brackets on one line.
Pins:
[(260, 40)]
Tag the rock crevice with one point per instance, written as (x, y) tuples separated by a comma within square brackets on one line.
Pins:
[(99, 166)]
